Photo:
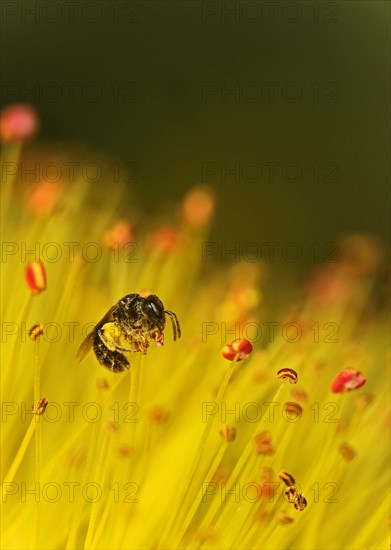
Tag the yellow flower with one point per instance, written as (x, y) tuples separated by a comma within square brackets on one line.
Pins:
[(184, 450)]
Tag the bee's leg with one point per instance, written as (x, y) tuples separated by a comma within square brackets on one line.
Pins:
[(109, 336), (111, 359), (158, 337), (138, 340), (143, 345)]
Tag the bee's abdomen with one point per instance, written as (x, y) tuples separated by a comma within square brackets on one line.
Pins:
[(112, 360)]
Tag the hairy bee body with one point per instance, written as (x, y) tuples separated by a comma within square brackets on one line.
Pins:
[(129, 326)]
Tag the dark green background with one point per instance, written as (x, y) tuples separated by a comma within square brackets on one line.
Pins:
[(169, 132)]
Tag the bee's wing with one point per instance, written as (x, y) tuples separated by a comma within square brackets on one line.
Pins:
[(86, 345)]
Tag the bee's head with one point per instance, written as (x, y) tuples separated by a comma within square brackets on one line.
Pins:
[(153, 309), (146, 312)]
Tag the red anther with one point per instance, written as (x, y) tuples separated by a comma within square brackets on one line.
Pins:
[(165, 239), (40, 406), (328, 286), (348, 379), (18, 123), (35, 276), (239, 347), (299, 394), (36, 332), (111, 427), (228, 353), (347, 451), (288, 373), (125, 451), (198, 206), (293, 408), (159, 415), (283, 518), (243, 347), (263, 443), (102, 384), (228, 433), (119, 235), (221, 474), (43, 197)]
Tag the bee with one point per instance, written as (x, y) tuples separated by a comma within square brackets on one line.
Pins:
[(127, 327)]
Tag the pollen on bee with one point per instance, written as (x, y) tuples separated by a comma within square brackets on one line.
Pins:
[(288, 373), (157, 337), (144, 293), (111, 330)]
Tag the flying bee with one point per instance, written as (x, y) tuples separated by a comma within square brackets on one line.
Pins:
[(127, 327)]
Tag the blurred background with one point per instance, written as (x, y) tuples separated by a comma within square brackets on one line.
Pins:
[(281, 106)]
